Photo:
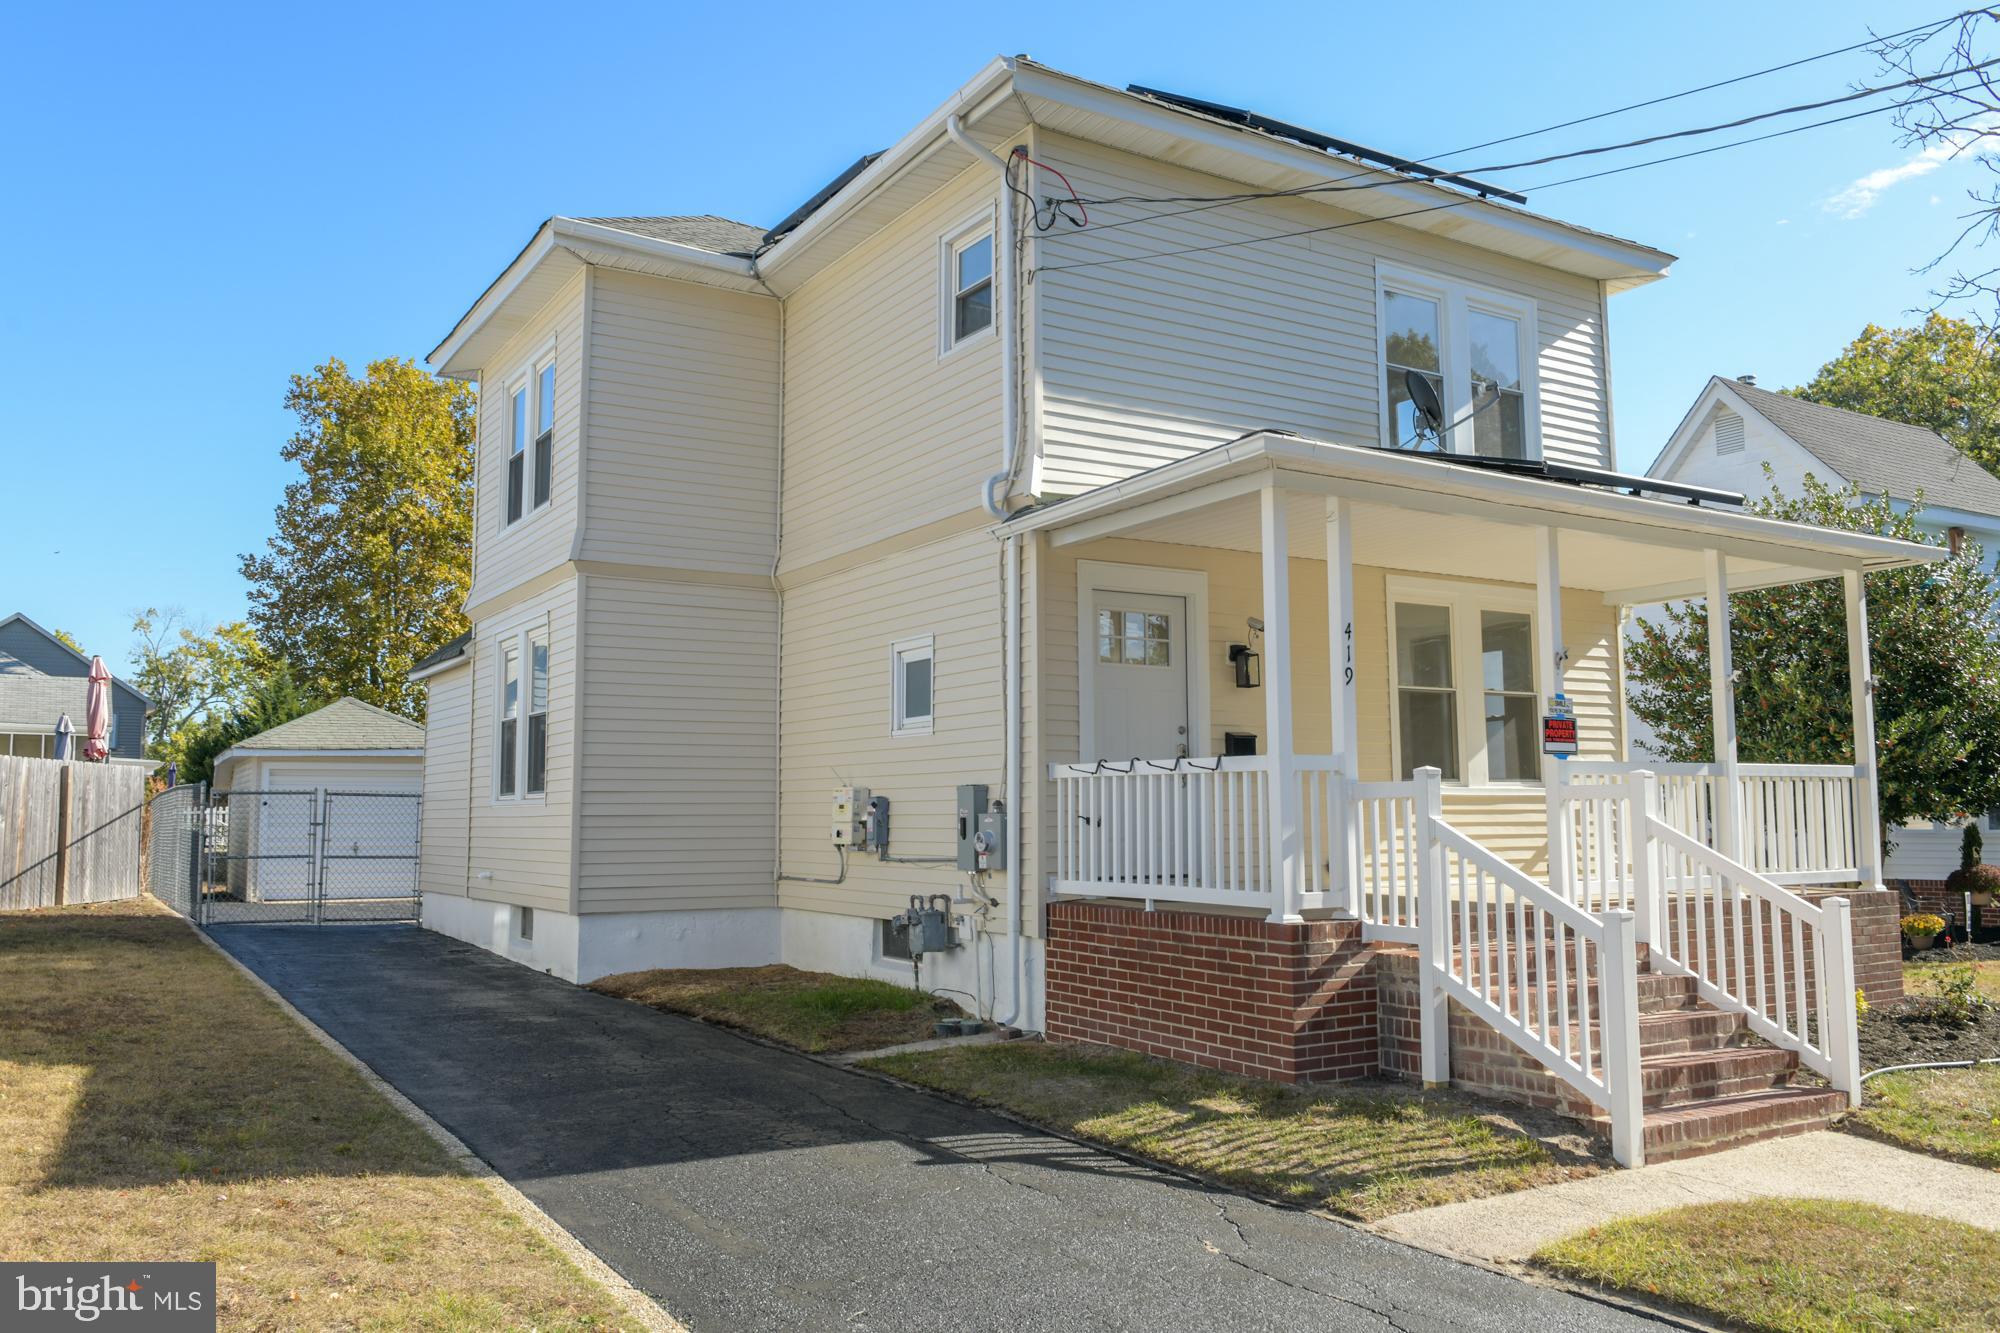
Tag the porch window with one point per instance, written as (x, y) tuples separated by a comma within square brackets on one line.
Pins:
[(910, 684), (1466, 699), (1476, 350)]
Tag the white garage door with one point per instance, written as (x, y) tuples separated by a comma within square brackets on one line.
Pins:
[(368, 829)]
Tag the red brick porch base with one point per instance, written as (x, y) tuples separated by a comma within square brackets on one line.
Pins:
[(1291, 1003), (1877, 920)]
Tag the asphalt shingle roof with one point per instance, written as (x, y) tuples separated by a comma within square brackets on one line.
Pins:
[(344, 724), (1883, 457), (444, 654), (717, 235)]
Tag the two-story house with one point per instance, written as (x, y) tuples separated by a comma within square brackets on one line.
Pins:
[(1174, 545), (42, 680), (1734, 430)]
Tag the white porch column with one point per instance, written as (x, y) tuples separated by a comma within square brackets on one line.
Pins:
[(1287, 868), (1551, 655), (1867, 778), (1722, 703)]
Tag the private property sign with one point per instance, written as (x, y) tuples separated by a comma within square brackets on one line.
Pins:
[(1559, 728)]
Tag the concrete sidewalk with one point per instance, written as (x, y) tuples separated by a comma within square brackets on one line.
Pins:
[(1823, 1165)]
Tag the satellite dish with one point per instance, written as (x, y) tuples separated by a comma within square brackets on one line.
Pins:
[(1424, 398)]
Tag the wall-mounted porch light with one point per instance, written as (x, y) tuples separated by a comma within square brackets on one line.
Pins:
[(1249, 666)]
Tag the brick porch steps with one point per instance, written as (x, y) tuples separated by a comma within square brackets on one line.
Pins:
[(1701, 1127)]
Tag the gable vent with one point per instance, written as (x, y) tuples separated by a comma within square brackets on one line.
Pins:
[(1728, 433)]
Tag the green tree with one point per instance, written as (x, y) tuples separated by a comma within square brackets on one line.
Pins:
[(68, 640), (277, 698), (372, 557), (192, 674), (1932, 640), (1944, 375)]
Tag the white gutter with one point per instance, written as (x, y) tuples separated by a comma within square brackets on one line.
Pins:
[(993, 494)]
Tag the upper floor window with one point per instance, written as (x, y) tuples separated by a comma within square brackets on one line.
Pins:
[(1470, 353), (531, 428), (968, 284), (521, 753)]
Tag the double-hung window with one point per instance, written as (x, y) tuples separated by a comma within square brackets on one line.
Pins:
[(1466, 697), (911, 686), (1475, 350), (968, 285), (521, 745), (531, 431)]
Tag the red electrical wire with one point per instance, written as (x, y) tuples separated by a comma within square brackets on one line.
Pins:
[(1074, 197)]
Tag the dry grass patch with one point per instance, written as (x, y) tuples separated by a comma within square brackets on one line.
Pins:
[(1920, 978), (1952, 1113), (1364, 1151), (813, 1011), (1797, 1265), (155, 1106)]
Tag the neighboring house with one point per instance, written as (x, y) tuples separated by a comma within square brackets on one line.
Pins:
[(349, 766), (1116, 585), (42, 678), (1735, 428)]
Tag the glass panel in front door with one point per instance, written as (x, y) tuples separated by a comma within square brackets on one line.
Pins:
[(1139, 681)]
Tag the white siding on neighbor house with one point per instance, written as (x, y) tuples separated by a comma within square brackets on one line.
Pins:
[(1511, 821), (682, 417), (1743, 470), (1929, 851), (519, 850), (1145, 362), (447, 779), (882, 434), (836, 725), (504, 555), (679, 757)]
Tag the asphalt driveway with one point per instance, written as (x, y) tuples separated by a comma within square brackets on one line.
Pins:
[(747, 1188)]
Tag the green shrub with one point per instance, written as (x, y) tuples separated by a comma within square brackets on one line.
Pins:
[(1955, 996)]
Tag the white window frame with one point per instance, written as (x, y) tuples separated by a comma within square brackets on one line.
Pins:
[(1456, 300), (521, 638), (950, 245), (527, 382), (1464, 601), (924, 647)]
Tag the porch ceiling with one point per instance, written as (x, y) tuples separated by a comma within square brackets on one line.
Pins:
[(1418, 514)]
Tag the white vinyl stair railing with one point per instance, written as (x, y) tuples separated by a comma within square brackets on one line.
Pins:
[(1753, 946), (1559, 982)]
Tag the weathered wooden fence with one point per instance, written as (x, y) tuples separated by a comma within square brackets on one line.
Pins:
[(69, 833)]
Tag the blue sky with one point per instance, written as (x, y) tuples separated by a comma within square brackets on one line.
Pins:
[(203, 202)]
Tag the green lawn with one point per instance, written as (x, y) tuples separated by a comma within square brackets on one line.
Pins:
[(155, 1106), (1364, 1152), (1918, 977), (1797, 1266), (813, 1011), (1951, 1113)]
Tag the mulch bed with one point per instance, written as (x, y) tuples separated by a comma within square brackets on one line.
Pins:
[(1908, 1032), (1958, 953)]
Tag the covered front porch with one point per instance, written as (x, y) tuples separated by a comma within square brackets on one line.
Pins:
[(1403, 612), (1312, 689)]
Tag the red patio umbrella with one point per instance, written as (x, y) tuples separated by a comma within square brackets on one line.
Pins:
[(97, 713)]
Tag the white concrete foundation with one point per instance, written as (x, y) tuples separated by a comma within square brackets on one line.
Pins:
[(851, 946), (491, 926)]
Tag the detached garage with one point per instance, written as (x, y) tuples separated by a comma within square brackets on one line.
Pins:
[(323, 807)]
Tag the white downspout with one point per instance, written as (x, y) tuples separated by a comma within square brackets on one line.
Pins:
[(993, 494)]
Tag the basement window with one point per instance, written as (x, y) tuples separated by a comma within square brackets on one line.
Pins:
[(524, 923), (894, 942)]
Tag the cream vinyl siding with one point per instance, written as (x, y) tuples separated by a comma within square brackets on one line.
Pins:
[(505, 555), (1148, 361), (678, 750), (1511, 821), (525, 843), (837, 721), (447, 779), (882, 434), (683, 425)]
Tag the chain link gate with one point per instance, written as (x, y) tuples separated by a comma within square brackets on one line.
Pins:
[(308, 855)]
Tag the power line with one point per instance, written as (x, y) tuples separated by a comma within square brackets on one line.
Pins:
[(1460, 202), (1704, 88), (1203, 203)]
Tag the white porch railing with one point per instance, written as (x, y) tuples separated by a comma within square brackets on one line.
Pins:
[(1186, 830), (1753, 946), (1796, 823)]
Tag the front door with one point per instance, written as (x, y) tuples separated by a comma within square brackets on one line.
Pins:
[(1139, 683)]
